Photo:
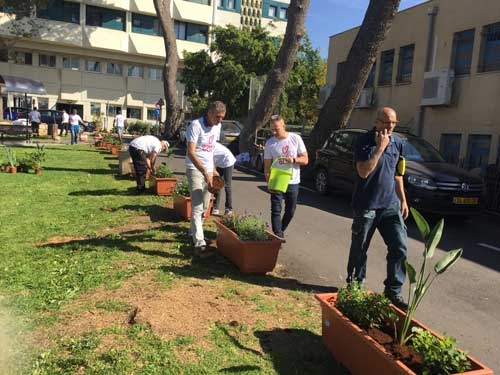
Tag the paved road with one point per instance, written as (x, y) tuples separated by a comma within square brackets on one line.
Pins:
[(464, 302)]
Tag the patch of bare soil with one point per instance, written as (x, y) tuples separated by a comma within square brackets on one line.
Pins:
[(190, 307)]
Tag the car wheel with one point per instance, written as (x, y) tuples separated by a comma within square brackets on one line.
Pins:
[(321, 181)]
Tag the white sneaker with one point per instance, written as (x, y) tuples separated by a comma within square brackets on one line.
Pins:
[(228, 212), (215, 212)]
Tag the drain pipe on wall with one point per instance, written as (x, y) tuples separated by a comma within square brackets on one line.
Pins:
[(432, 13)]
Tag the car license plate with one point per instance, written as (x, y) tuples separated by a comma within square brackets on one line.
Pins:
[(465, 200)]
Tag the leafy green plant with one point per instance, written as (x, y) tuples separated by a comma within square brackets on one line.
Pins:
[(108, 137), (364, 308), (420, 284), (441, 355), (164, 171), (182, 189), (10, 155), (247, 227), (38, 156)]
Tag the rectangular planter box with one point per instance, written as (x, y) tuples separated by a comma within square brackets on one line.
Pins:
[(182, 205), (162, 186), (248, 256), (357, 351)]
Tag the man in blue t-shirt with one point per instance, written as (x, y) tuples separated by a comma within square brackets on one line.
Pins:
[(379, 202)]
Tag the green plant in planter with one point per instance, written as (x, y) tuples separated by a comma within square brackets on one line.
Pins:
[(38, 156), (247, 227), (441, 355), (420, 284), (182, 189), (25, 164), (108, 137), (364, 308), (10, 155), (164, 171)]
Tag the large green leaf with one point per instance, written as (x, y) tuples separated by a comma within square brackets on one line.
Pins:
[(422, 224), (448, 260), (434, 239), (412, 274)]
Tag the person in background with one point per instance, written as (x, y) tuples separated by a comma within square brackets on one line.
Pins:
[(144, 151), (379, 202), (64, 123), (119, 121), (290, 148), (35, 118), (75, 120), (201, 137), (224, 162)]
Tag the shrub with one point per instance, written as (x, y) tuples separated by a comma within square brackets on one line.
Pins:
[(182, 189), (247, 227), (164, 171)]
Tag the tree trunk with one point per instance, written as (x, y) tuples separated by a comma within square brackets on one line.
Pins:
[(277, 77), (337, 109), (173, 110)]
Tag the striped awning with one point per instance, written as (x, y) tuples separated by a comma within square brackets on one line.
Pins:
[(22, 85)]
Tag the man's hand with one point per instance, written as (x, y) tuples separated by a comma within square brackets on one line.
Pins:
[(404, 210), (382, 139)]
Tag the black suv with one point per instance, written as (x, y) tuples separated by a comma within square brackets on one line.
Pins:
[(431, 184), (50, 116)]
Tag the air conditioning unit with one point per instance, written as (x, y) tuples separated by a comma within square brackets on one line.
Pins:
[(365, 99), (324, 94), (438, 87)]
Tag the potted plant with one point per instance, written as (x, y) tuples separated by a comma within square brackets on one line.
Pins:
[(246, 242), (115, 147), (182, 201), (163, 182), (24, 165), (10, 155), (357, 324), (107, 140), (37, 158)]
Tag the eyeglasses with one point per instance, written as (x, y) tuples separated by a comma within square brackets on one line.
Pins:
[(387, 122)]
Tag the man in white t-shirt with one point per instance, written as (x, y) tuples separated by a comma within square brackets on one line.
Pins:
[(224, 162), (64, 123), (201, 137), (74, 121), (290, 149), (119, 121)]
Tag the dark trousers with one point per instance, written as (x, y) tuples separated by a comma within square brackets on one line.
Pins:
[(392, 228), (279, 223), (35, 126), (227, 176), (64, 128), (140, 167)]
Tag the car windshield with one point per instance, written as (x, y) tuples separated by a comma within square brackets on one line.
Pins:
[(416, 149), (230, 127)]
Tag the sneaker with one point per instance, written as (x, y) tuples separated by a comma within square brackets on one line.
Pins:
[(228, 212), (215, 211), (398, 301)]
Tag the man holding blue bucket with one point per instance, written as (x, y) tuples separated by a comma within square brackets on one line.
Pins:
[(284, 153)]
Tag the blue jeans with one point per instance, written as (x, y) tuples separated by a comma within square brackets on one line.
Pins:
[(279, 223), (392, 228), (75, 129)]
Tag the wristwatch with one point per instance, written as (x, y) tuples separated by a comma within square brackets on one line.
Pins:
[(293, 160)]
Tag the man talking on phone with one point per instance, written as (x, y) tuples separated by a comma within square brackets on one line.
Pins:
[(379, 202)]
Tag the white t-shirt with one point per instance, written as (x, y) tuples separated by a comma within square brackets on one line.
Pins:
[(74, 119), (147, 143), (205, 138), (291, 146), (120, 121), (65, 118), (223, 157)]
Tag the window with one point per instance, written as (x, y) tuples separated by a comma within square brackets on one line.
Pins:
[(463, 43), (134, 113), (371, 76), (155, 74), (449, 147), (104, 17), (59, 10), (151, 114), (70, 62), (405, 65), (114, 68), (219, 3), (205, 2), (489, 58), (135, 71), (478, 151), (143, 24), (43, 103), (386, 63), (93, 66), (47, 60), (231, 4), (191, 31), (113, 110), (283, 13), (273, 11), (23, 58), (95, 109), (340, 71)]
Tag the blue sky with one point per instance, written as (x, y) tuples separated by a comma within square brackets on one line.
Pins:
[(328, 17)]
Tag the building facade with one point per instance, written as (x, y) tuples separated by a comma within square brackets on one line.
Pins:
[(103, 55), (439, 67)]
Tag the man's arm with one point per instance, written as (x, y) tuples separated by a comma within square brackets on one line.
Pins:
[(151, 162), (191, 152), (364, 168), (267, 168), (400, 191)]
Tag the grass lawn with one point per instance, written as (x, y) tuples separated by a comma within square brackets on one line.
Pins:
[(96, 280)]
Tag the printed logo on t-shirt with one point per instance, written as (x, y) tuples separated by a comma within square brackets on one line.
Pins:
[(209, 146), (284, 150)]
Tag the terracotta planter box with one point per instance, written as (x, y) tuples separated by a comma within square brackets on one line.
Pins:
[(162, 186), (361, 354), (248, 256), (114, 150), (182, 205)]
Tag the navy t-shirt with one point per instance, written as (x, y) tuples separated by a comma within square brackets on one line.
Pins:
[(378, 189)]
